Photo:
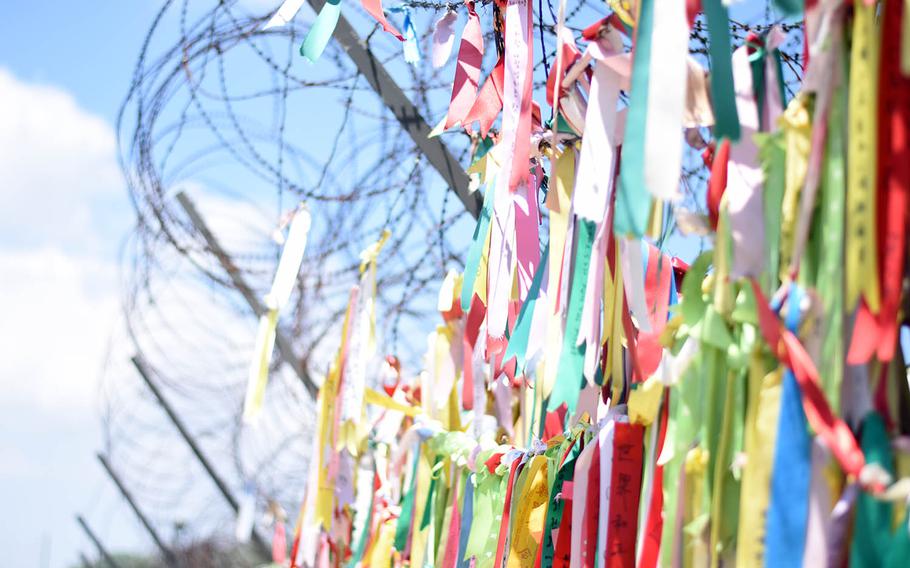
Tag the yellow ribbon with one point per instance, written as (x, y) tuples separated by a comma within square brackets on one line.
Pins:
[(559, 201), (760, 437), (528, 523), (798, 132), (862, 160)]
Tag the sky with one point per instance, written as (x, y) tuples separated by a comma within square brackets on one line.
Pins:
[(65, 67)]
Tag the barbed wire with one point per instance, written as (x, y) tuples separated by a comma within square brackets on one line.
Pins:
[(230, 114)]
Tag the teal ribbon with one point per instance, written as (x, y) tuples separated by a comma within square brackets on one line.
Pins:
[(364, 536), (722, 93), (788, 8), (557, 504), (403, 528), (872, 529), (518, 341), (321, 32), (571, 359), (475, 252), (633, 201)]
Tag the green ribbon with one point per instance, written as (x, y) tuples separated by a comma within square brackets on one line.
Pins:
[(489, 495), (872, 530), (722, 93), (321, 32), (521, 333), (403, 528), (773, 159), (364, 536), (830, 244), (633, 201), (556, 506), (472, 262), (569, 375)]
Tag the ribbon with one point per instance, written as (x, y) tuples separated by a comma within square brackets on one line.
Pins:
[(583, 467), (277, 298), (321, 31), (878, 334), (284, 14), (666, 100), (559, 508), (723, 92), (362, 348), (744, 177), (489, 101), (502, 542), (632, 204), (501, 267), (374, 8), (517, 92), (650, 531), (860, 254), (467, 70), (479, 242), (760, 442), (528, 524), (595, 165), (658, 280), (604, 502), (833, 430), (411, 47), (518, 342), (624, 491), (830, 280), (571, 359), (872, 526), (444, 39), (558, 202), (717, 185)]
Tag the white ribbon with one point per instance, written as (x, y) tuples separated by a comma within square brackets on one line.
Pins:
[(594, 181), (666, 99), (277, 298), (633, 277), (443, 39), (285, 14)]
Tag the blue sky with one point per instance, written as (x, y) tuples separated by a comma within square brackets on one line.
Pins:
[(64, 70)]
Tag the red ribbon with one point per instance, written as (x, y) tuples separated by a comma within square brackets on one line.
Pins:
[(489, 101), (718, 182), (833, 430), (877, 334), (654, 525), (570, 54), (625, 490), (469, 340), (506, 513), (592, 509), (374, 8), (657, 296), (467, 70)]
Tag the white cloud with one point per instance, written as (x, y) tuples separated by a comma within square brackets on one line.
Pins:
[(63, 210), (57, 167), (58, 311), (63, 213)]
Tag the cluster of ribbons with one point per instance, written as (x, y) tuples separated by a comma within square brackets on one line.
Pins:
[(588, 399)]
